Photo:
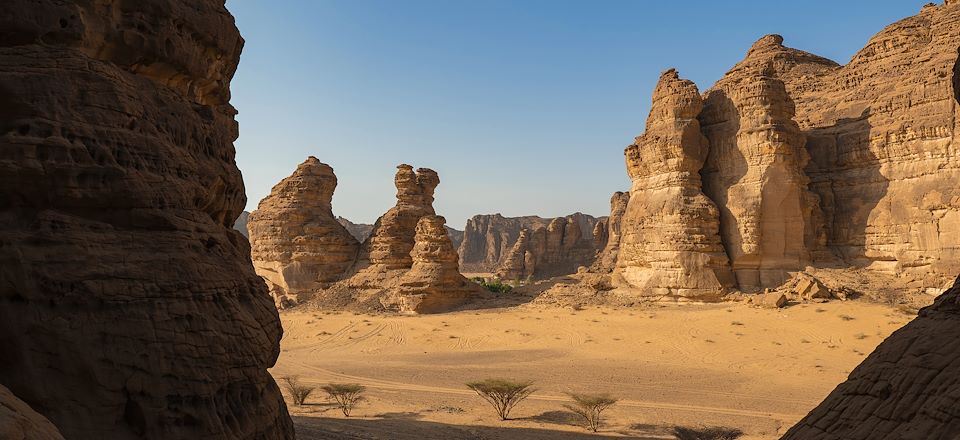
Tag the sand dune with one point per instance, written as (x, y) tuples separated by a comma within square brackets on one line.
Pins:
[(692, 365)]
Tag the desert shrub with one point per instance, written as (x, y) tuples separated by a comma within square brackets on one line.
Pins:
[(494, 285), (589, 407), (298, 391), (502, 394), (347, 395), (713, 433)]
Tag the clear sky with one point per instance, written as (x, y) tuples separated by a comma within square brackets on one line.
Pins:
[(523, 107)]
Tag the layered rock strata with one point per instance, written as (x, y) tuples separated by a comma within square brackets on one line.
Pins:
[(20, 422), (670, 244), (433, 283), (909, 387), (128, 305), (559, 245), (296, 243)]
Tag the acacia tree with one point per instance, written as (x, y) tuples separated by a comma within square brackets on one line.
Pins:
[(502, 394), (347, 395), (589, 407), (298, 392)]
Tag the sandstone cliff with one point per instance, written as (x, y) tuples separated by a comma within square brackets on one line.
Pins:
[(808, 163), (560, 245), (908, 388), (360, 231), (669, 244), (296, 243), (128, 305)]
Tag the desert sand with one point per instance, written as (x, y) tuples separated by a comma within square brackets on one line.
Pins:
[(730, 365)]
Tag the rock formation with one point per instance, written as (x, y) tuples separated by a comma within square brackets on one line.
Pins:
[(433, 283), (389, 244), (240, 224), (669, 244), (755, 172), (908, 388), (296, 243), (809, 163), (559, 245), (20, 422), (607, 258), (128, 305)]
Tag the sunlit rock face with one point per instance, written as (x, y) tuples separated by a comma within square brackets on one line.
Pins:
[(669, 242), (129, 308), (297, 245), (607, 257)]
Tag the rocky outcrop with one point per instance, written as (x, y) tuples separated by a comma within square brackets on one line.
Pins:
[(433, 283), (607, 258), (881, 132), (909, 387), (519, 262), (128, 305), (769, 220), (669, 244), (296, 243), (559, 245), (389, 244), (360, 231), (20, 422), (240, 224)]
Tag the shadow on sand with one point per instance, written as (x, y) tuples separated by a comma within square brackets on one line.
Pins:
[(406, 428)]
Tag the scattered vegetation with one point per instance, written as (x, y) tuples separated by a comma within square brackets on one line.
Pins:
[(714, 433), (494, 285), (847, 317), (502, 394), (298, 391), (736, 323), (347, 395), (590, 406)]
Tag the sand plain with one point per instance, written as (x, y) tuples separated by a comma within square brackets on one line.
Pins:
[(696, 365)]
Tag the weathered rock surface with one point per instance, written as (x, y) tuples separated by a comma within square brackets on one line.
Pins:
[(433, 284), (389, 244), (297, 245), (607, 258), (769, 220), (908, 388), (240, 224), (128, 305), (669, 244), (20, 422), (882, 135), (559, 245)]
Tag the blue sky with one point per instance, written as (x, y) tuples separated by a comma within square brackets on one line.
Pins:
[(523, 107)]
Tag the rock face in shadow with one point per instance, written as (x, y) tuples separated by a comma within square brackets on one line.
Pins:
[(296, 243), (128, 305), (769, 221), (361, 231), (908, 388), (669, 244), (433, 283), (610, 248), (20, 422), (559, 245)]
